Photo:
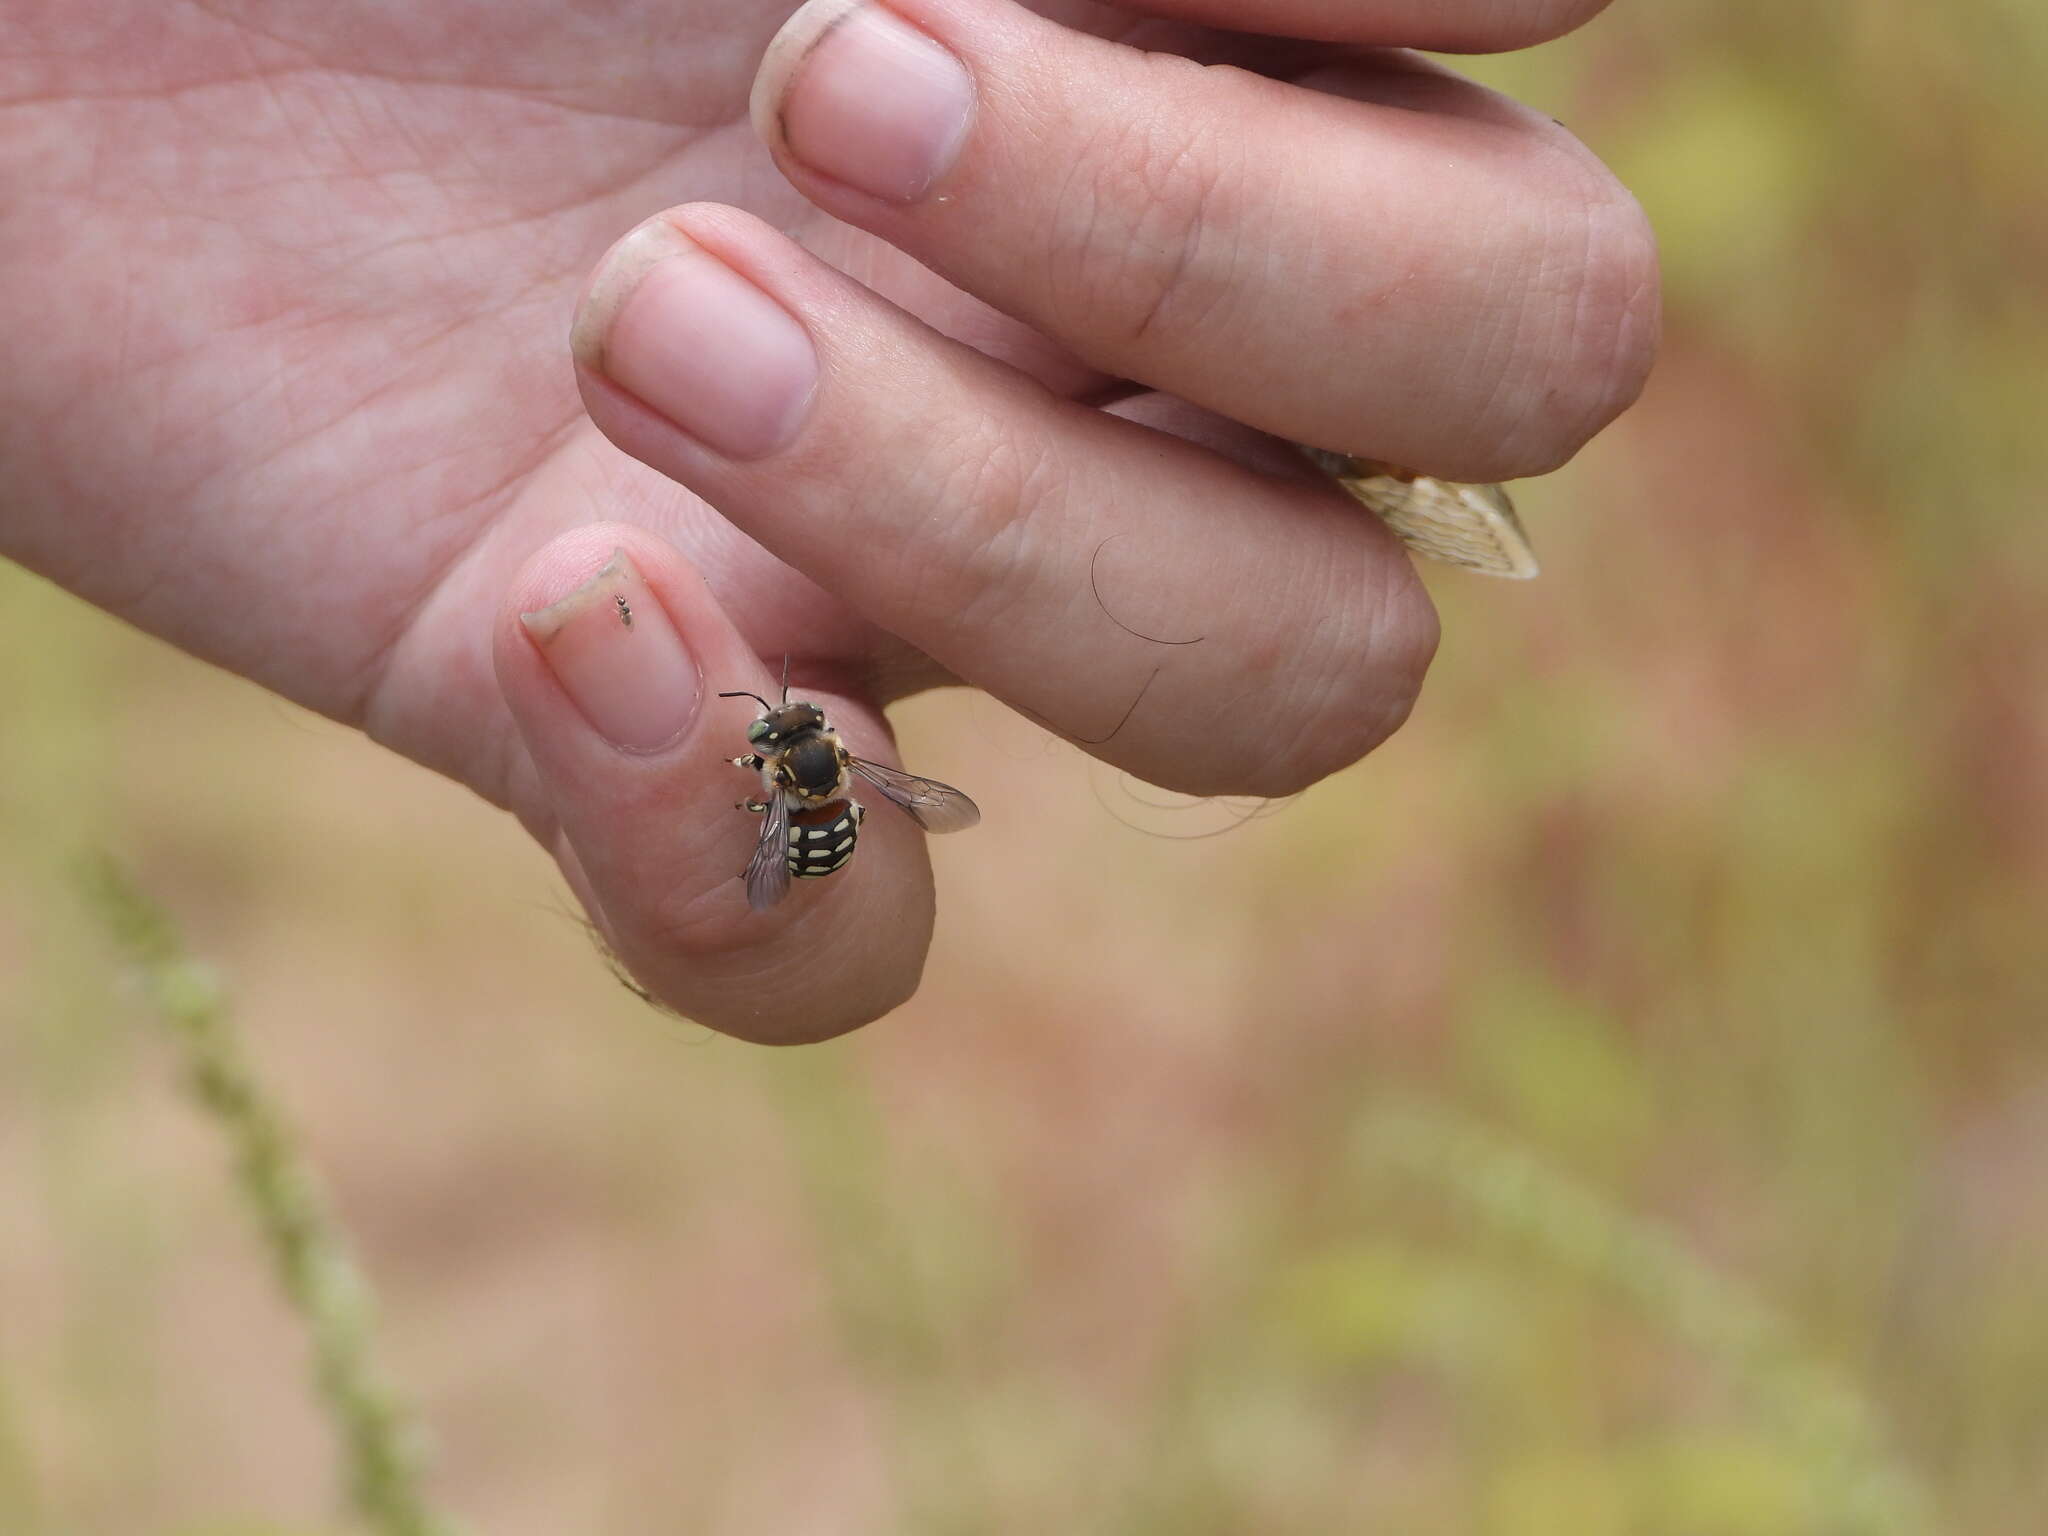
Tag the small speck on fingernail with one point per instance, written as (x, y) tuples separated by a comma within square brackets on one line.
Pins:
[(616, 652)]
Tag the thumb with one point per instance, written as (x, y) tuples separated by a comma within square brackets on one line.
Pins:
[(611, 652)]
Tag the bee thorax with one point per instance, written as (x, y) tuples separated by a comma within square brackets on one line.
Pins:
[(813, 767)]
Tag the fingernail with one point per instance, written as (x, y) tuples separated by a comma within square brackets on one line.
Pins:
[(692, 340), (858, 94), (615, 651)]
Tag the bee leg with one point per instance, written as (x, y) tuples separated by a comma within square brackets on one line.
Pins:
[(747, 762), (758, 807)]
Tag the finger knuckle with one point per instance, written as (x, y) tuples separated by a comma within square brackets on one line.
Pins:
[(1353, 700), (1352, 686), (1595, 279), (1137, 226), (989, 486)]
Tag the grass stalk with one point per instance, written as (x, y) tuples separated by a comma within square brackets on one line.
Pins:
[(379, 1445)]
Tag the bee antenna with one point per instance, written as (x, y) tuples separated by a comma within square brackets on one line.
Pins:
[(743, 694), (785, 677)]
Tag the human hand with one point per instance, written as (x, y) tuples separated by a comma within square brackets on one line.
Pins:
[(284, 287)]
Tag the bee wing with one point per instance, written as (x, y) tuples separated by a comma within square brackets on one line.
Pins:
[(1470, 525), (934, 806), (768, 869)]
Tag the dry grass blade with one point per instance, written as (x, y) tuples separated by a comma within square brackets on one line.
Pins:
[(1473, 526)]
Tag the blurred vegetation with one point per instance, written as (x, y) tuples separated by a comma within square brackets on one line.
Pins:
[(1620, 1106), (314, 1266)]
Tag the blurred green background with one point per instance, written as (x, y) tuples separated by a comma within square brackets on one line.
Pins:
[(1621, 1105)]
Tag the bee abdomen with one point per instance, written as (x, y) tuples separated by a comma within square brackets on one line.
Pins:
[(822, 840)]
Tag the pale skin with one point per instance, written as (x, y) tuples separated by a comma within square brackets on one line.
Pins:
[(287, 290)]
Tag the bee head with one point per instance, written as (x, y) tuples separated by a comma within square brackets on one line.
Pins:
[(779, 722), (784, 722)]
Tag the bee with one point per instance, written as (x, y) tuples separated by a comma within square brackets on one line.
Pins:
[(809, 821), (1470, 525)]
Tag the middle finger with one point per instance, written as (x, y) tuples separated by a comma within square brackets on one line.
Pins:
[(1396, 263)]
